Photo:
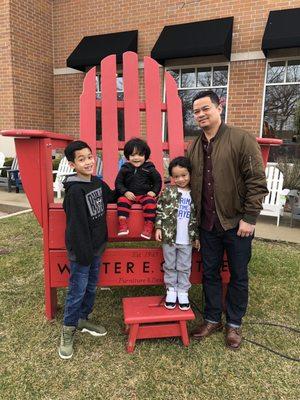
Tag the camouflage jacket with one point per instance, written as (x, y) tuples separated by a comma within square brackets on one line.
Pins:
[(166, 215)]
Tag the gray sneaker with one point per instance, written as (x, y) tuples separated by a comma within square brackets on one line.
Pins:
[(95, 330), (65, 350)]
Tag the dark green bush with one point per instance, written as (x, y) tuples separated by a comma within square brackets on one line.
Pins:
[(7, 163)]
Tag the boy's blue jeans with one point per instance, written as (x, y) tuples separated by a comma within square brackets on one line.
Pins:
[(81, 291)]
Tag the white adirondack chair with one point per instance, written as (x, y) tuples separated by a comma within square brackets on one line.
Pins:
[(3, 179), (12, 175), (99, 167), (2, 159), (64, 170), (275, 200)]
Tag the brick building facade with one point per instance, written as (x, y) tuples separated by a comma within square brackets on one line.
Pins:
[(38, 91)]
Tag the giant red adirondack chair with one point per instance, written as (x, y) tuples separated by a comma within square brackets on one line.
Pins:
[(120, 266)]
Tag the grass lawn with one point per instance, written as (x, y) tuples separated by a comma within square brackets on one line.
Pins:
[(30, 367)]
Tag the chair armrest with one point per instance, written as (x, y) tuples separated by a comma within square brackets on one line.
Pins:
[(66, 173), (13, 170), (33, 133), (55, 172)]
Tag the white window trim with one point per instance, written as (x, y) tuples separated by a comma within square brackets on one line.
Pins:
[(243, 56), (271, 60)]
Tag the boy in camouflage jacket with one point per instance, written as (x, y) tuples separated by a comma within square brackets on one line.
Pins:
[(176, 227)]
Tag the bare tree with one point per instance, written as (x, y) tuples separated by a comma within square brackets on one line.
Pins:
[(280, 106)]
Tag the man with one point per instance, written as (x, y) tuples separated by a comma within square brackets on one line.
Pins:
[(228, 185)]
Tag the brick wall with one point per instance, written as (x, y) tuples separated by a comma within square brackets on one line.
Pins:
[(67, 89), (32, 55), (74, 19), (37, 35), (246, 88), (6, 84)]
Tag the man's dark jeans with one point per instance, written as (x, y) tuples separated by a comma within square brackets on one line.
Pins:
[(238, 249), (81, 291)]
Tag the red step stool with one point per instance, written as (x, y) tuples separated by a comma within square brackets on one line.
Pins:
[(147, 318)]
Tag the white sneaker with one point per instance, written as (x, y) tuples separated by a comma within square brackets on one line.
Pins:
[(183, 299), (171, 298)]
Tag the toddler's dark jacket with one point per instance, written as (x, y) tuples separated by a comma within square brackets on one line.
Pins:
[(85, 206), (139, 180)]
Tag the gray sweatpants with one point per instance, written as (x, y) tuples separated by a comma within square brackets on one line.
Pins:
[(177, 266)]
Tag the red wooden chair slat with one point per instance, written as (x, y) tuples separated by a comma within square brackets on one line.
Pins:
[(174, 118), (131, 95), (153, 112), (109, 119), (88, 110)]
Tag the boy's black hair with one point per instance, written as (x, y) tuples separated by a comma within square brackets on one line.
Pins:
[(74, 146), (207, 93), (137, 145), (182, 162)]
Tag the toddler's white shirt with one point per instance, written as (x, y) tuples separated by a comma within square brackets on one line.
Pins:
[(183, 217)]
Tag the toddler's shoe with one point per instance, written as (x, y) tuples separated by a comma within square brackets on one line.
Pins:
[(171, 297), (147, 231), (65, 350), (95, 330), (123, 227), (183, 300)]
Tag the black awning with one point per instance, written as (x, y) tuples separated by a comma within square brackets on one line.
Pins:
[(282, 30), (92, 49), (202, 38)]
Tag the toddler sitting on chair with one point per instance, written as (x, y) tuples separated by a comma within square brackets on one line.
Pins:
[(137, 182)]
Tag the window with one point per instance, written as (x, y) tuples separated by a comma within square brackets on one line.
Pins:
[(120, 96), (282, 108), (191, 80)]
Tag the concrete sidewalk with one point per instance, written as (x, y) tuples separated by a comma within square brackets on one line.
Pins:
[(265, 228), (13, 199)]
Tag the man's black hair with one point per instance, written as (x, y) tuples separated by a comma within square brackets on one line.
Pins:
[(182, 162), (207, 93), (137, 145), (74, 146)]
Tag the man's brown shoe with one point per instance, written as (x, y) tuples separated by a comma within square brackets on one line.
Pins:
[(206, 329), (233, 338)]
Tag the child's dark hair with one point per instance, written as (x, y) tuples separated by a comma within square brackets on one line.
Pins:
[(137, 145), (74, 146), (182, 162)]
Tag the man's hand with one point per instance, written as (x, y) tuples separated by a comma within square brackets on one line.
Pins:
[(129, 196), (196, 244), (158, 235), (151, 194), (245, 229)]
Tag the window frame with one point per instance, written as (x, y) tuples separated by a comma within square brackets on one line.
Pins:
[(174, 66), (119, 74), (268, 61)]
